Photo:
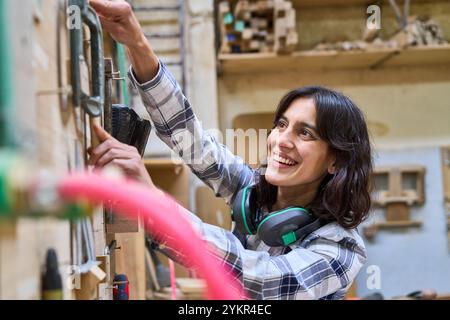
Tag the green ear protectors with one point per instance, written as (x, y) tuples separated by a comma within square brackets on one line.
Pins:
[(279, 228)]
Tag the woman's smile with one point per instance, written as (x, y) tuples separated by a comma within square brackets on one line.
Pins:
[(282, 161)]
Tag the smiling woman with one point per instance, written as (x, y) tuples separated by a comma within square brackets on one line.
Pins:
[(319, 157), (316, 179)]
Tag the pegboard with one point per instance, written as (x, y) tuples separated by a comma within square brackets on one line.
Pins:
[(50, 133)]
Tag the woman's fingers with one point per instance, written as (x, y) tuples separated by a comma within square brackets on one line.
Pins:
[(109, 149), (112, 151), (110, 9), (106, 142), (129, 166), (109, 26), (119, 21), (113, 154), (103, 148), (101, 133)]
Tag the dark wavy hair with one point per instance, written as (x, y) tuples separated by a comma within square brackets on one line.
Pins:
[(344, 196)]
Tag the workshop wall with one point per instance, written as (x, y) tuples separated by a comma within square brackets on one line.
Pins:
[(416, 258), (47, 138), (51, 136)]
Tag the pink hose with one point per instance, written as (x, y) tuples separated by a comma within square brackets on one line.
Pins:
[(163, 219)]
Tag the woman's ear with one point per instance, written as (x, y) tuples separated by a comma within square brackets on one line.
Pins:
[(332, 166)]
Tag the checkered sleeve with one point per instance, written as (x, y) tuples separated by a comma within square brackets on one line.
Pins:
[(323, 266), (178, 127)]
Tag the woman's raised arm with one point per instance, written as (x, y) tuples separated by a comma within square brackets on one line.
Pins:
[(171, 113)]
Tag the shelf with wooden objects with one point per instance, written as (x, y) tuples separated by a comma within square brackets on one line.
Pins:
[(256, 26), (247, 45), (333, 3), (425, 56)]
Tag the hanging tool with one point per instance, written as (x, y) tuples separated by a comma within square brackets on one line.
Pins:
[(121, 289), (52, 288), (107, 119), (129, 128), (93, 105), (121, 60), (84, 251), (402, 19), (6, 80)]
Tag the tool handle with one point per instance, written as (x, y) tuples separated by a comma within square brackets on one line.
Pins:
[(96, 101), (94, 139), (92, 104)]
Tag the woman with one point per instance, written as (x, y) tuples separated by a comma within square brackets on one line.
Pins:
[(319, 159)]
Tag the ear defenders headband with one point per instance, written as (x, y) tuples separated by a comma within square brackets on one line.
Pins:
[(279, 228)]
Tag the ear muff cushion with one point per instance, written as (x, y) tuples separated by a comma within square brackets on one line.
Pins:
[(241, 212), (273, 227)]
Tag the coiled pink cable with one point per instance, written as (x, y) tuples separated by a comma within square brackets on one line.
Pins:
[(163, 219)]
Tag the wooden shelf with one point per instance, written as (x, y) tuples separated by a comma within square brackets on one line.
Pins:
[(420, 56), (334, 3), (333, 60), (162, 163), (321, 3)]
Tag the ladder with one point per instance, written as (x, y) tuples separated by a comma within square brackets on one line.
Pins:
[(179, 8)]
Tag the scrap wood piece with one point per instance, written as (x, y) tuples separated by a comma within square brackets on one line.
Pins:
[(257, 26), (420, 31)]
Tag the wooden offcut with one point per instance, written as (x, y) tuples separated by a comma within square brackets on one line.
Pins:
[(257, 26)]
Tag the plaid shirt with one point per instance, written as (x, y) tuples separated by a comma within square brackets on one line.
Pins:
[(321, 266)]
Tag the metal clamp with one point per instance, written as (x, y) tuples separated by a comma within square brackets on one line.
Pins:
[(93, 105)]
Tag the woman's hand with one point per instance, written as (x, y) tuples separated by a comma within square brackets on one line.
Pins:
[(112, 152), (119, 20)]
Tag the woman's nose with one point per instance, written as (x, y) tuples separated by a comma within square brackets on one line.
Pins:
[(285, 139)]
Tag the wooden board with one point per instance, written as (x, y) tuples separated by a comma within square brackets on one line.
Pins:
[(397, 212), (304, 4), (397, 190), (117, 223), (333, 60), (130, 260)]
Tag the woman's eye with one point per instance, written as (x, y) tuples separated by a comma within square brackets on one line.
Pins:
[(306, 133), (281, 124)]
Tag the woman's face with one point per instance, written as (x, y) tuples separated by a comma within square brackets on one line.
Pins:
[(296, 154)]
